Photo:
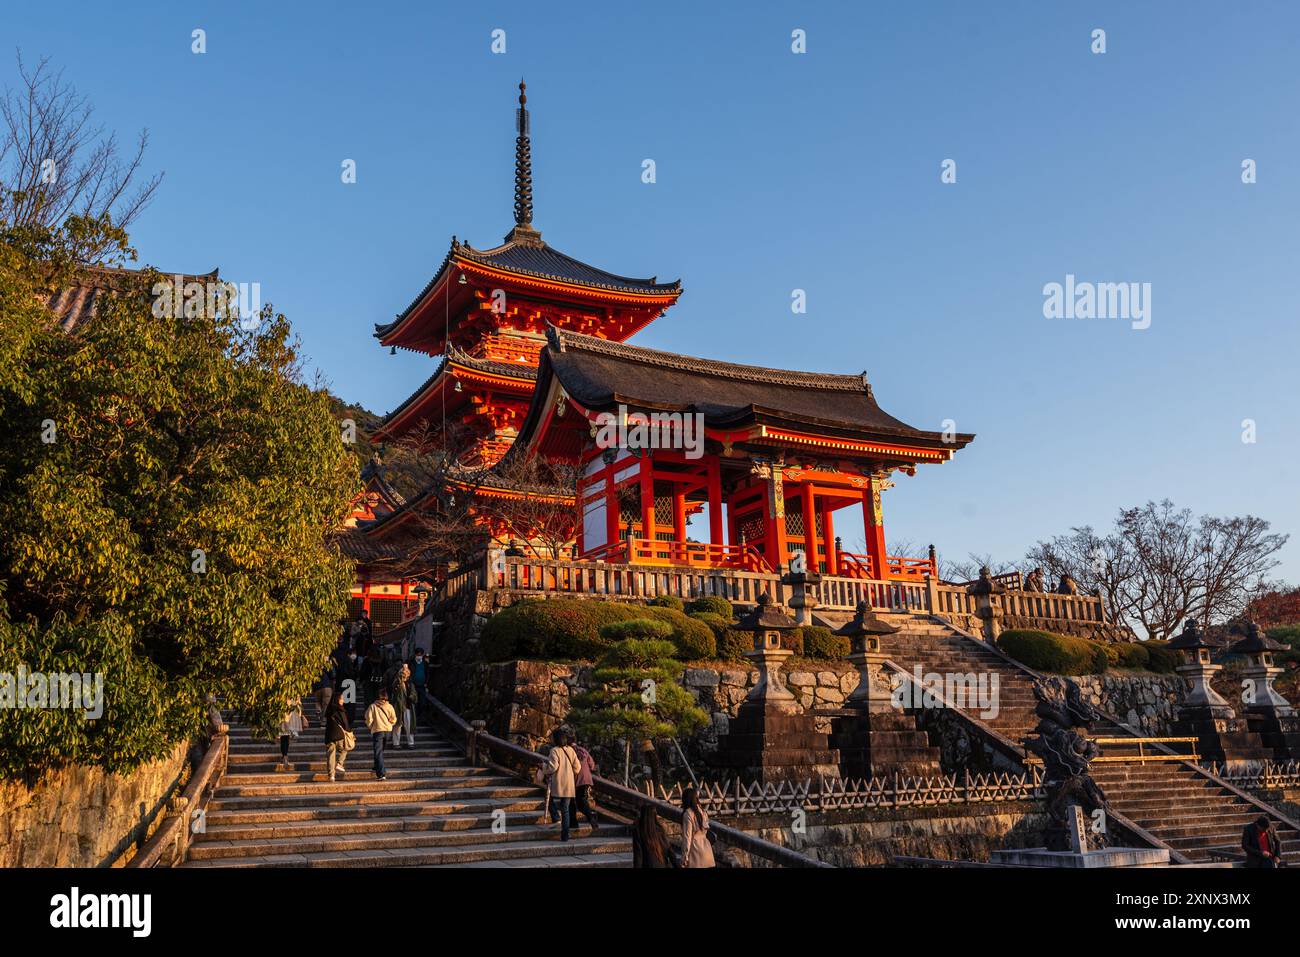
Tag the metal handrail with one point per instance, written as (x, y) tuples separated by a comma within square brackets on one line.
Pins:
[(477, 740)]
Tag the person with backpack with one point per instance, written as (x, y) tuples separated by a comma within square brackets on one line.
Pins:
[(380, 719), (697, 851), (339, 739), (584, 786), (560, 773)]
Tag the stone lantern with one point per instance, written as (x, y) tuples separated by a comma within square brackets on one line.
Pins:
[(1198, 669), (864, 631), (768, 624), (1258, 649), (803, 582)]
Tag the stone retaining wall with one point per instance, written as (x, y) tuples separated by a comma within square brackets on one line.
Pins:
[(84, 816), (524, 701)]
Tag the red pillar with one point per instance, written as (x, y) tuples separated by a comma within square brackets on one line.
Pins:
[(774, 514), (808, 500), (611, 508), (828, 539), (714, 473), (647, 502), (875, 530)]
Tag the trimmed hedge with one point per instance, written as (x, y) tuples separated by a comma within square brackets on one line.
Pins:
[(570, 628), (1130, 654), (1057, 654), (731, 644), (713, 605), (1161, 658), (667, 601), (819, 642)]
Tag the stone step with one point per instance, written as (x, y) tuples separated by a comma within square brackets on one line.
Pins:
[(281, 814), (306, 772), (317, 798), (214, 849), (359, 780), (527, 813), (589, 860), (412, 857)]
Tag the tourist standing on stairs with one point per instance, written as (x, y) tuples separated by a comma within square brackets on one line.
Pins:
[(561, 773), (402, 695), (339, 739), (420, 679), (380, 719), (696, 849), (584, 785), (1259, 841), (292, 724)]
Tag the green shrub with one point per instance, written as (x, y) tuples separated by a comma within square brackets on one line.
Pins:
[(1161, 658), (646, 628), (731, 644), (694, 639), (667, 601), (819, 642), (1130, 654), (1056, 654), (1286, 634), (713, 604), (570, 628)]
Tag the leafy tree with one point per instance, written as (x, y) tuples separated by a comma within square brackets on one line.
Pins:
[(167, 486), (636, 696)]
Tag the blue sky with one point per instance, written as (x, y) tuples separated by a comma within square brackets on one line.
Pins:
[(778, 171)]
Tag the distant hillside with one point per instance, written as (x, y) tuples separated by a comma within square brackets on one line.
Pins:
[(400, 466)]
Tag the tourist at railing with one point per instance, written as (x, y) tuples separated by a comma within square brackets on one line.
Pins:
[(584, 786), (1034, 581), (401, 695), (697, 842), (650, 847), (1259, 841), (339, 739), (561, 774), (420, 681), (292, 724), (1068, 586), (380, 719)]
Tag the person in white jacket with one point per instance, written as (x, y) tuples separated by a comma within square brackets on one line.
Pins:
[(380, 719), (561, 774), (696, 848)]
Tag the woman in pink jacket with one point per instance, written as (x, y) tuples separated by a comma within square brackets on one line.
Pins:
[(696, 849)]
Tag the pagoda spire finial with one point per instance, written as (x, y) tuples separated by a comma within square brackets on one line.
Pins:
[(523, 163)]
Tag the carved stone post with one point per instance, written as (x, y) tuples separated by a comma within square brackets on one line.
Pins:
[(986, 607)]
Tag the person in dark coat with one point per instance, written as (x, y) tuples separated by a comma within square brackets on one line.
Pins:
[(1259, 841), (337, 725)]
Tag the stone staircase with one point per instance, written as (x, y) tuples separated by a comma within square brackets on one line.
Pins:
[(433, 810), (1172, 800), (1186, 810)]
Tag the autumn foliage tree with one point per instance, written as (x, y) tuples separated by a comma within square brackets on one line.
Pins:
[(166, 490)]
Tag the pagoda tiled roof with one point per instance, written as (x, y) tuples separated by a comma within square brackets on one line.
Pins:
[(525, 254), (601, 375), (523, 371)]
